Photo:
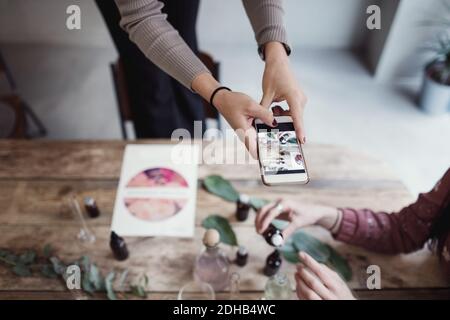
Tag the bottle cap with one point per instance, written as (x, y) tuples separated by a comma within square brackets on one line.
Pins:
[(242, 250), (211, 238), (277, 240), (243, 198), (88, 201)]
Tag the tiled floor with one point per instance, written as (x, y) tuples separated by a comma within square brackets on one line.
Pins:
[(71, 90)]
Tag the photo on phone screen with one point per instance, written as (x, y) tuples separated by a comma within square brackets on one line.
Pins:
[(279, 150)]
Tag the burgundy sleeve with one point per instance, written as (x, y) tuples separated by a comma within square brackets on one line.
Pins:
[(399, 232)]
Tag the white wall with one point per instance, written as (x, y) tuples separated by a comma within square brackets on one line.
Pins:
[(310, 23)]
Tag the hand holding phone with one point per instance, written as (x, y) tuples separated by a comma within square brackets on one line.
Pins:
[(280, 154)]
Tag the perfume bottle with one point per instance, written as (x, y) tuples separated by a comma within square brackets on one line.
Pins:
[(273, 236), (212, 265), (278, 287), (118, 247), (242, 207), (241, 256), (273, 263)]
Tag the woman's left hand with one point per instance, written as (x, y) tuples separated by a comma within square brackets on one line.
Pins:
[(316, 281), (279, 84)]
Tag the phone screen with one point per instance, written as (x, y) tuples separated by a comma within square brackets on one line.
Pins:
[(279, 150)]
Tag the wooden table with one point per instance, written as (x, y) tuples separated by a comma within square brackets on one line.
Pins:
[(36, 176)]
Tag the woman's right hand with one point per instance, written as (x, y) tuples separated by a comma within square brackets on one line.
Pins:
[(297, 213)]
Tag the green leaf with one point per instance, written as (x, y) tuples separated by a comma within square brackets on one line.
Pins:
[(85, 263), (87, 284), (340, 264), (95, 278), (139, 291), (289, 252), (315, 248), (222, 225), (21, 270), (27, 257), (48, 272), (123, 278), (257, 203), (109, 286), (280, 224), (58, 266), (4, 253), (221, 187), (47, 251)]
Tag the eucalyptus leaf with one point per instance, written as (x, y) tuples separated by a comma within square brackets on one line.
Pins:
[(258, 203), (280, 224), (139, 291), (58, 266), (123, 278), (340, 264), (48, 272), (21, 270), (95, 278), (27, 257), (221, 187), (109, 286), (47, 251), (87, 284), (289, 252), (222, 225), (315, 248)]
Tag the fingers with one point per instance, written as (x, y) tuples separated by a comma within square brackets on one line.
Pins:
[(303, 291), (267, 100), (249, 137), (292, 227), (264, 114), (325, 275), (269, 214), (297, 104), (313, 283)]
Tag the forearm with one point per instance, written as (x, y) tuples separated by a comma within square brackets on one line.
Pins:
[(266, 18), (158, 40)]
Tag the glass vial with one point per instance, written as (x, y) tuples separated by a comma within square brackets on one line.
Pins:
[(278, 287), (273, 236), (241, 256), (242, 207), (212, 265), (273, 263), (118, 247), (91, 207)]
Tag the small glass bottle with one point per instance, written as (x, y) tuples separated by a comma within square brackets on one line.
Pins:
[(273, 263), (91, 207), (278, 287), (273, 236), (241, 256), (118, 247), (212, 265), (242, 207)]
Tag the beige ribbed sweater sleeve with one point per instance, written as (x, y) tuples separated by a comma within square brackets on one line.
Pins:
[(266, 18), (148, 27)]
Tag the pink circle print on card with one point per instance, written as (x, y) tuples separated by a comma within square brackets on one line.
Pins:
[(156, 194)]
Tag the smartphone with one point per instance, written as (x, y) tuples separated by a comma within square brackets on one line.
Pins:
[(280, 153)]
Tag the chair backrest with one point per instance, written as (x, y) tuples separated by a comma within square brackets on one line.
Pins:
[(123, 100), (11, 107)]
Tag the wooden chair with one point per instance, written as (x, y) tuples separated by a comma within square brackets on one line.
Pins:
[(123, 100), (12, 103)]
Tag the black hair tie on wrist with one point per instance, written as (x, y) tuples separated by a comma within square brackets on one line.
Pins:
[(214, 94)]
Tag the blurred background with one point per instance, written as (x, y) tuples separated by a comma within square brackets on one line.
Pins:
[(363, 85)]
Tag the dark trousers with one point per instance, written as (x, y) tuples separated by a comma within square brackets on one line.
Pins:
[(159, 104)]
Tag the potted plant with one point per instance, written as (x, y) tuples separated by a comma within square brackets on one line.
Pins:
[(435, 95)]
